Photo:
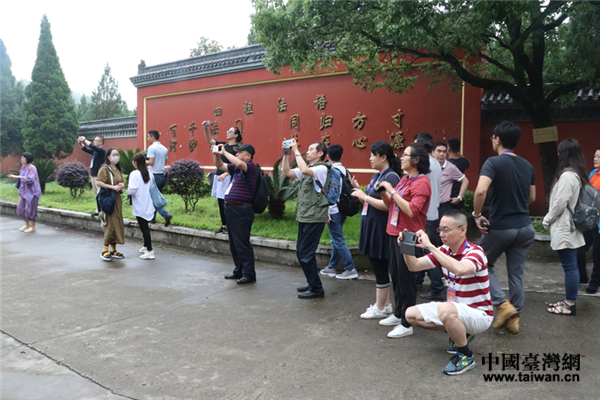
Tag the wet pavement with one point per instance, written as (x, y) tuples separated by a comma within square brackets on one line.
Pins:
[(76, 327)]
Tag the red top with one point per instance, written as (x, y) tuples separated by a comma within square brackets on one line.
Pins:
[(417, 192), (595, 179)]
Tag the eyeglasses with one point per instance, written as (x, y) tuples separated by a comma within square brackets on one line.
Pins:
[(446, 230)]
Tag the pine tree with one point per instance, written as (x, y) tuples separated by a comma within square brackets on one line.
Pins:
[(49, 118), (84, 109), (12, 97), (106, 99)]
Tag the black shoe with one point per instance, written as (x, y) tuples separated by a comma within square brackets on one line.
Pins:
[(302, 289), (419, 287), (591, 289), (233, 276), (431, 295), (243, 280), (168, 220), (221, 230), (309, 294), (94, 214)]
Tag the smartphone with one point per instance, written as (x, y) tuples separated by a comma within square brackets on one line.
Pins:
[(206, 123), (287, 143), (215, 149), (287, 151)]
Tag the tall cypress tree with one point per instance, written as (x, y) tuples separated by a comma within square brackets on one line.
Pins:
[(12, 97), (50, 119), (106, 99)]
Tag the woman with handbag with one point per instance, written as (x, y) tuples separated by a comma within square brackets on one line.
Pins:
[(110, 177), (30, 191), (564, 237), (142, 207)]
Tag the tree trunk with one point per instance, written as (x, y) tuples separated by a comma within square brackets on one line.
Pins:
[(548, 153)]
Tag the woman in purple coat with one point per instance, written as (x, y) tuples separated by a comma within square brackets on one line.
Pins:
[(30, 192)]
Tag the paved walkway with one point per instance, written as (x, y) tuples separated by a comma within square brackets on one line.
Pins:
[(75, 327)]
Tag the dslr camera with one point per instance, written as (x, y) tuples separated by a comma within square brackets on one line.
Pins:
[(408, 244)]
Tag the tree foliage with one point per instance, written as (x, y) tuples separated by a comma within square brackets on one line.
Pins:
[(205, 46), (185, 177), (84, 109), (536, 51), (73, 175), (49, 118), (12, 97), (106, 99)]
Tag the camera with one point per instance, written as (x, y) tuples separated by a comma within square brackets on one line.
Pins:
[(379, 188), (287, 150), (215, 149), (408, 244)]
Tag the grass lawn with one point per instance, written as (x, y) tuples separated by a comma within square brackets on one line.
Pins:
[(206, 215)]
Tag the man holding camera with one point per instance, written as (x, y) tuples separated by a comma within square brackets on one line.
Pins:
[(468, 308), (312, 211), (238, 208)]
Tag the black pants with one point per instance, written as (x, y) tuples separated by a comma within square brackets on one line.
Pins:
[(306, 246), (592, 238), (435, 274), (145, 232), (240, 225), (381, 271), (222, 212), (403, 280)]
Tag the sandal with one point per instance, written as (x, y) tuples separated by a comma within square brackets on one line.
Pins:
[(562, 308)]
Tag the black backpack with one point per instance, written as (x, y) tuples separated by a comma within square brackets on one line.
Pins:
[(347, 205), (261, 194), (587, 210)]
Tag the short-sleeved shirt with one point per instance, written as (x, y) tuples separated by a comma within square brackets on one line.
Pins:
[(462, 164), (243, 184), (319, 172), (473, 289), (160, 154), (435, 177), (230, 149), (512, 178), (417, 191), (450, 174), (333, 209)]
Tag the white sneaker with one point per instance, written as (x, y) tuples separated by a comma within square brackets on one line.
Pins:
[(388, 309), (373, 312), (400, 331), (148, 256), (392, 320), (348, 274), (143, 249)]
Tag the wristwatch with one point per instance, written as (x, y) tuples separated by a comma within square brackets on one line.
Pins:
[(297, 153), (459, 198), (393, 192), (476, 215)]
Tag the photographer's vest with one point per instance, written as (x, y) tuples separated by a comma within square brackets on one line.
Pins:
[(312, 205)]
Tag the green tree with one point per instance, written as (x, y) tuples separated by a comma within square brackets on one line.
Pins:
[(106, 99), (84, 109), (49, 118), (536, 51), (205, 46), (12, 97)]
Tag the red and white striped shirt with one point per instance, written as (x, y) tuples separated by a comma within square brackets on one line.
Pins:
[(474, 289)]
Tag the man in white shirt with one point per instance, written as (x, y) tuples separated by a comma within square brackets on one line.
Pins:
[(157, 157), (339, 248)]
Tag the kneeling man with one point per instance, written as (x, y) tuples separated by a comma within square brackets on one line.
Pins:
[(468, 308)]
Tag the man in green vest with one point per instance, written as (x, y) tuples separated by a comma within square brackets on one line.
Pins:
[(312, 210)]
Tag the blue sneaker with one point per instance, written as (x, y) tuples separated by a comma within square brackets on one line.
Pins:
[(459, 363), (452, 349)]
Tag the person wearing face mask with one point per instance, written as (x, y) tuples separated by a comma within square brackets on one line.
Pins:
[(110, 176), (222, 178)]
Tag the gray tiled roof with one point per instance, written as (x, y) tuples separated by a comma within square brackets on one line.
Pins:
[(223, 62), (109, 128), (499, 106)]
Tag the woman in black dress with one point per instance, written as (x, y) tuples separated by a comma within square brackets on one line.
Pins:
[(374, 241)]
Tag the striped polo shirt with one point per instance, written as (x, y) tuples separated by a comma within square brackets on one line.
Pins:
[(242, 184), (474, 289)]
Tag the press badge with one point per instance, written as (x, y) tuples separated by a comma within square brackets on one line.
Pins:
[(451, 295), (395, 212), (365, 207)]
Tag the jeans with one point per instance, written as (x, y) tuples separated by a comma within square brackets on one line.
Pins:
[(338, 243), (161, 181), (515, 243), (309, 235), (568, 260)]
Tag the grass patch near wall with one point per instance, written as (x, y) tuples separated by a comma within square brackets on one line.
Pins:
[(205, 217)]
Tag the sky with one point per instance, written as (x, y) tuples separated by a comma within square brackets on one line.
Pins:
[(88, 34)]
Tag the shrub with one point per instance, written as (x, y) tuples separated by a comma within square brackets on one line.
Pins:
[(126, 160), (185, 178), (73, 175), (281, 189)]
